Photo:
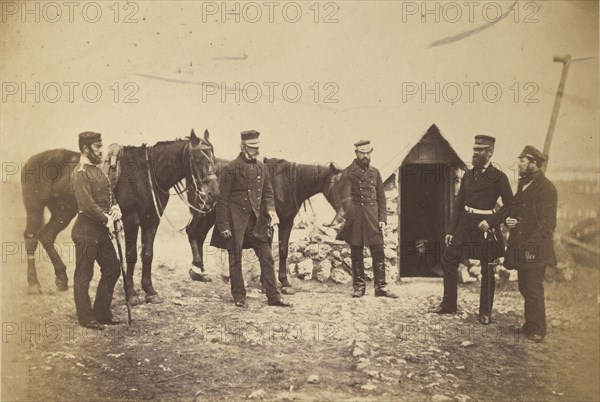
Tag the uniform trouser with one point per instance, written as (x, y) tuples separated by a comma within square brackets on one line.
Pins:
[(453, 254), (358, 267), (531, 286), (265, 259), (86, 253)]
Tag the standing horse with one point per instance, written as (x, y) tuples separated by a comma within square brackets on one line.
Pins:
[(147, 174), (292, 185)]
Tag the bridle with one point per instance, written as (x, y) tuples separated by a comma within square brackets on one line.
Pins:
[(197, 186)]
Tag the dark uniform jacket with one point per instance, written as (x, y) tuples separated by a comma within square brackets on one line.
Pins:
[(245, 190), (481, 192), (535, 209), (94, 199), (368, 207)]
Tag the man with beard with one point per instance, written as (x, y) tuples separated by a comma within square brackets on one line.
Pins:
[(366, 221), (530, 246), (475, 231), (98, 210), (245, 218)]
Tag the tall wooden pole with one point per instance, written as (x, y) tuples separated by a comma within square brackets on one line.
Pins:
[(566, 61), (399, 211)]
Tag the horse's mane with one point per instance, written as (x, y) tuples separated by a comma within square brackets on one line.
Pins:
[(275, 161), (169, 142), (144, 145)]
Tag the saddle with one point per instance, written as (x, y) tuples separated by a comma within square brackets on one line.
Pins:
[(111, 166)]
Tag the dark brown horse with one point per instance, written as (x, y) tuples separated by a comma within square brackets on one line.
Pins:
[(142, 192), (292, 185)]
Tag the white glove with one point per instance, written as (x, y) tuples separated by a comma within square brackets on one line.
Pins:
[(448, 239), (110, 223), (274, 219), (115, 212)]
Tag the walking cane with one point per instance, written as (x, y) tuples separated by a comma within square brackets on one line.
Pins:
[(119, 240)]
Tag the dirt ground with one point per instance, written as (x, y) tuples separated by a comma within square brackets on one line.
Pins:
[(197, 346)]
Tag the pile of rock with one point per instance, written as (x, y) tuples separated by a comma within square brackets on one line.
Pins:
[(470, 271), (320, 256)]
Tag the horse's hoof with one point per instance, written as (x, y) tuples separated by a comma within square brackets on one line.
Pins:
[(200, 277), (61, 285), (153, 299), (134, 300), (34, 289), (288, 290)]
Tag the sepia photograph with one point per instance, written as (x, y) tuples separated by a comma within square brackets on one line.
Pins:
[(303, 200)]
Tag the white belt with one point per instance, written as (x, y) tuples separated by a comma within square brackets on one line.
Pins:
[(479, 211)]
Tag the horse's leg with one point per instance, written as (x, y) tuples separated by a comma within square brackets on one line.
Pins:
[(131, 226), (35, 221), (285, 229), (149, 228), (196, 236), (61, 216)]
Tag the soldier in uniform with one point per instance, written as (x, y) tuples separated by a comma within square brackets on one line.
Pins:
[(475, 231), (366, 220), (97, 212), (530, 248), (245, 218)]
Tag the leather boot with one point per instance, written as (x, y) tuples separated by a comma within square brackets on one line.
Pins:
[(358, 278), (380, 283), (448, 304)]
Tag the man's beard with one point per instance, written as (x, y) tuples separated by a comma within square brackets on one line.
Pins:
[(251, 158), (95, 159), (527, 173), (363, 163)]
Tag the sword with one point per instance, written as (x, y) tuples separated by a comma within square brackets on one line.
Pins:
[(118, 241), (490, 237)]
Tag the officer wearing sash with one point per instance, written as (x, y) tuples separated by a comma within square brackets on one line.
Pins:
[(475, 232)]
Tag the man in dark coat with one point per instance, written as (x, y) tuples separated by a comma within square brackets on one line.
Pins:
[(245, 219), (530, 245), (475, 231), (366, 220), (97, 212)]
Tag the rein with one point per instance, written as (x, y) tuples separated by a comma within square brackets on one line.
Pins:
[(328, 196)]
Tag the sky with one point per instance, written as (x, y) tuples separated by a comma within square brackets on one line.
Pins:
[(338, 72)]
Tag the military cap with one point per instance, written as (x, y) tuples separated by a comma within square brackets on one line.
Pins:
[(533, 153), (88, 138), (363, 146), (250, 138), (484, 141)]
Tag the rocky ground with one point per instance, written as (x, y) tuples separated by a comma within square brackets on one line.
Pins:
[(197, 346)]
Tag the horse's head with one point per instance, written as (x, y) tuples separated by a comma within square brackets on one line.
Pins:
[(202, 165), (337, 192)]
